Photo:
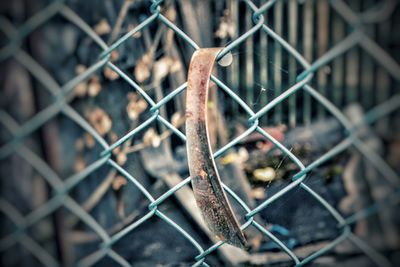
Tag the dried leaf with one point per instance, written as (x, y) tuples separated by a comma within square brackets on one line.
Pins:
[(110, 74), (156, 141), (142, 69), (116, 151), (118, 182), (176, 65), (100, 121), (226, 27), (132, 96), (113, 137), (164, 66), (142, 105), (79, 144), (80, 164), (94, 87), (177, 119), (79, 69), (114, 56), (243, 154), (265, 174), (231, 157), (135, 106), (151, 137), (121, 158), (256, 242), (89, 140), (132, 111), (258, 193), (102, 27), (161, 68), (137, 34), (81, 89)]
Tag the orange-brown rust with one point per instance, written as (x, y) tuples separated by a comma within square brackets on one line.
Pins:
[(207, 187)]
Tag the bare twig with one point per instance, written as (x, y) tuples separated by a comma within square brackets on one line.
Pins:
[(95, 197), (121, 17), (163, 136), (81, 237)]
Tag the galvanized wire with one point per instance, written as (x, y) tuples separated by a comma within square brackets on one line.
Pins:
[(61, 187)]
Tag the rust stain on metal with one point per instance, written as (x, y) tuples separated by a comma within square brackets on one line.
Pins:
[(207, 187)]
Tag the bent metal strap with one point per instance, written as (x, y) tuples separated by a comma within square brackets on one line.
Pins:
[(207, 187)]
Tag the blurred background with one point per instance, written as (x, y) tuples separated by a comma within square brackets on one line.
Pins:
[(92, 148)]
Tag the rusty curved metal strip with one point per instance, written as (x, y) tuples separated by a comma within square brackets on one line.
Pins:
[(207, 187)]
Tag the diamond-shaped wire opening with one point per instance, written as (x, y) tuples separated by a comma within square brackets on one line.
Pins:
[(34, 220), (46, 114), (10, 214), (344, 233), (34, 22), (54, 203), (155, 230), (99, 255), (26, 247), (372, 156), (296, 231)]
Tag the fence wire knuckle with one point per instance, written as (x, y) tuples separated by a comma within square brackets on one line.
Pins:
[(62, 187)]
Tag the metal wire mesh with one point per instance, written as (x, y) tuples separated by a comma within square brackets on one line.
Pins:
[(61, 187)]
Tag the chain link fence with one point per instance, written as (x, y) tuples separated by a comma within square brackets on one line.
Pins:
[(61, 188)]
